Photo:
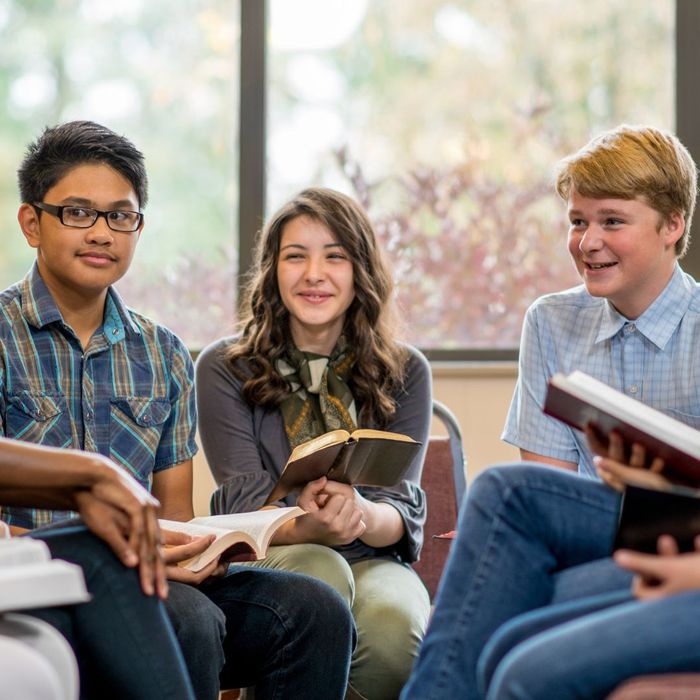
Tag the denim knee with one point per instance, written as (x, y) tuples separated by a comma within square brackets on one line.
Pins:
[(325, 604), (529, 671), (499, 479)]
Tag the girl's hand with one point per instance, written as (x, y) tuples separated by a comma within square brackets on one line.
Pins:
[(334, 514)]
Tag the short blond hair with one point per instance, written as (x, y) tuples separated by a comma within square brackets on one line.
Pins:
[(635, 162)]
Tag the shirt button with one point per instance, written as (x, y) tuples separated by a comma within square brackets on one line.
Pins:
[(88, 416), (631, 328), (115, 331), (633, 389)]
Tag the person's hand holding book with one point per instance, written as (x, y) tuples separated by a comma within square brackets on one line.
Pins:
[(331, 518), (179, 547), (617, 467), (663, 574)]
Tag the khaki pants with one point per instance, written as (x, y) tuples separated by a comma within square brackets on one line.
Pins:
[(390, 606)]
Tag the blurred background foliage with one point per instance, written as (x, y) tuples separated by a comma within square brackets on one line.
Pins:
[(165, 75), (443, 117)]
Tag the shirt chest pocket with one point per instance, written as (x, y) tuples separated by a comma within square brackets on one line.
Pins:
[(137, 424), (39, 418)]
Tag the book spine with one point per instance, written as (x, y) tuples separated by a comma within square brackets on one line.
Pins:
[(340, 467)]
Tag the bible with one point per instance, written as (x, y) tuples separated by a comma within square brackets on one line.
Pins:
[(580, 400), (365, 457), (646, 513), (239, 536)]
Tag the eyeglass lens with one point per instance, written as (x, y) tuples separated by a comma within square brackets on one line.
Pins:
[(82, 217)]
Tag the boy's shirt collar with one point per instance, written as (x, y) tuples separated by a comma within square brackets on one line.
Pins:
[(39, 308), (661, 318)]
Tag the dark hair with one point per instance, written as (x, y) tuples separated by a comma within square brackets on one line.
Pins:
[(370, 327), (64, 147)]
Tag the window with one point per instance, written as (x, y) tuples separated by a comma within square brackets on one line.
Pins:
[(445, 118), (166, 75)]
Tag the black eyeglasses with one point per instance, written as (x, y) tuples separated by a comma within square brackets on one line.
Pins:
[(85, 217)]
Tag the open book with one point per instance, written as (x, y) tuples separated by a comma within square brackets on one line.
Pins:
[(367, 457), (239, 536), (579, 400), (30, 578)]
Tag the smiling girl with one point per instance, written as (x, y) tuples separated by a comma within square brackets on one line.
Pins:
[(318, 352)]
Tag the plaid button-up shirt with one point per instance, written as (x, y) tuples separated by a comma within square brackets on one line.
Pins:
[(128, 395)]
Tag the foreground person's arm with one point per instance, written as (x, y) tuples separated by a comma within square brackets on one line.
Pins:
[(114, 506)]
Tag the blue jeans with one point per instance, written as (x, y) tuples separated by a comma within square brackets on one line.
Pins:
[(200, 629), (528, 535), (289, 635), (122, 639), (585, 648)]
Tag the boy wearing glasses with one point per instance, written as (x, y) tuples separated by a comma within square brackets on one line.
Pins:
[(79, 369)]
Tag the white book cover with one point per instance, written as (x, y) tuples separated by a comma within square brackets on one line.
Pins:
[(29, 578)]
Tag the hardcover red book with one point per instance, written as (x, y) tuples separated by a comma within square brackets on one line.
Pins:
[(579, 400)]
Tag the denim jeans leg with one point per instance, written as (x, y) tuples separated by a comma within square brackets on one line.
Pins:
[(519, 525), (589, 579), (122, 638), (590, 655), (289, 635), (521, 628), (200, 628)]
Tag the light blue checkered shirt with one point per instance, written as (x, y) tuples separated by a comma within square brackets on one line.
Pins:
[(655, 358)]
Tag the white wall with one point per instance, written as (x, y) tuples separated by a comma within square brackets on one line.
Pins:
[(479, 395)]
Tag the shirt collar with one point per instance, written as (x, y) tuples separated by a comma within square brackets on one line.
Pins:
[(38, 305), (661, 318), (117, 318), (39, 308)]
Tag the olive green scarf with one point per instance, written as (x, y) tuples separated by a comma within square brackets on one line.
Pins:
[(321, 399)]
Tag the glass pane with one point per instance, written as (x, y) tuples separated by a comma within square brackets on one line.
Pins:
[(166, 75), (445, 119)]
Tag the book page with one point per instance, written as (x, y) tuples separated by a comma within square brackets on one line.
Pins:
[(318, 443), (191, 528), (649, 419), (381, 434), (256, 524), (239, 536)]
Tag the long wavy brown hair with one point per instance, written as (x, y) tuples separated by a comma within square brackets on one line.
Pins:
[(370, 321)]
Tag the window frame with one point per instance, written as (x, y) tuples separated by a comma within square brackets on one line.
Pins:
[(252, 135)]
